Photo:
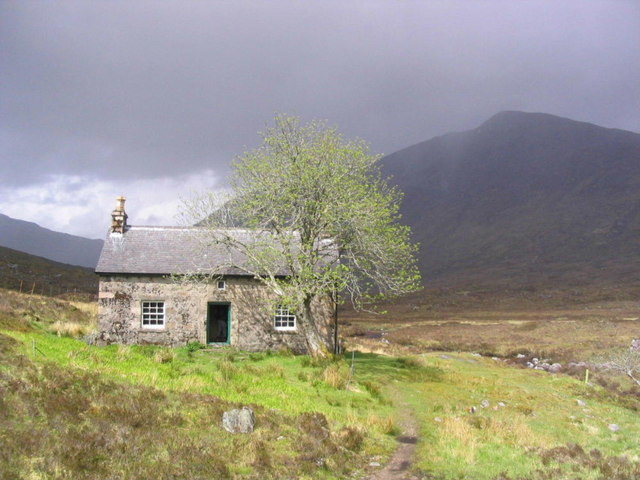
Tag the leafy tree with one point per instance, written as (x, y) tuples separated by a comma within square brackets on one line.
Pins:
[(310, 194)]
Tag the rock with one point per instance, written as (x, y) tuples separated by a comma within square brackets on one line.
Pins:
[(578, 364), (476, 355), (613, 427), (438, 419), (241, 420), (635, 345), (281, 437), (555, 368), (374, 464), (445, 357), (520, 355), (535, 360), (502, 404), (529, 365), (484, 403), (473, 409), (581, 403)]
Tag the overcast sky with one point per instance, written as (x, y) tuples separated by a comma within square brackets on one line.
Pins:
[(152, 100)]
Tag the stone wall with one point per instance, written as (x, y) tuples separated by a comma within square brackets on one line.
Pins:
[(251, 304)]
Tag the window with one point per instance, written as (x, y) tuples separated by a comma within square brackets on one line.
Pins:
[(222, 285), (153, 314), (284, 319)]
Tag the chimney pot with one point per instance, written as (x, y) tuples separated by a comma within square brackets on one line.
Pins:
[(119, 217)]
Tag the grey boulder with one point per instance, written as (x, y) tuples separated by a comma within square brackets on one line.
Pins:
[(241, 420)]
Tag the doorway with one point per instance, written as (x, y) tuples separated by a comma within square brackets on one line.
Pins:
[(218, 323)]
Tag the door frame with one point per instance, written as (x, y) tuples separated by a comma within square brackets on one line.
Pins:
[(208, 320)]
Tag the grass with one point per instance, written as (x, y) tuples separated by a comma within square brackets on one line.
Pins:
[(70, 410), (525, 415), (149, 412)]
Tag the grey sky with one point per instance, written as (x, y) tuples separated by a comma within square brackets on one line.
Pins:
[(153, 99)]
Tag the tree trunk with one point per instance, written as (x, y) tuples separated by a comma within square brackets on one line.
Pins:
[(315, 345)]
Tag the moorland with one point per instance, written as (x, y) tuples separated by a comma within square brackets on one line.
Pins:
[(436, 373)]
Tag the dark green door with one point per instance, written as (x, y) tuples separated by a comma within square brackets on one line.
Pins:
[(218, 323)]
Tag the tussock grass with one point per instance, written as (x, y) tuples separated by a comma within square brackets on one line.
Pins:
[(164, 355), (336, 375), (71, 329)]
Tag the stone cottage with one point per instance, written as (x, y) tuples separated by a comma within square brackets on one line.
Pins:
[(146, 298)]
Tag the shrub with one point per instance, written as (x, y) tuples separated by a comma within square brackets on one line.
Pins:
[(350, 438), (195, 346)]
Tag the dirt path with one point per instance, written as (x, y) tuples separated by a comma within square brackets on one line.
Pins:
[(400, 465)]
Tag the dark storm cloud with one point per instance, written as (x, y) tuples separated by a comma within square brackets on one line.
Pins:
[(134, 89)]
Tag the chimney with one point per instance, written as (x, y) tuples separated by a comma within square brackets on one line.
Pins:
[(119, 217)]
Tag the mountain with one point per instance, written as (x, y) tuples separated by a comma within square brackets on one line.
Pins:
[(29, 273), (33, 239), (524, 194)]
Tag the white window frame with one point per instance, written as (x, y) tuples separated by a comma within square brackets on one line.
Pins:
[(153, 311), (284, 320), (222, 285)]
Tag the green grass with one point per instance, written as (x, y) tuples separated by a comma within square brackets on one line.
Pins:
[(283, 382), (540, 413), (69, 410)]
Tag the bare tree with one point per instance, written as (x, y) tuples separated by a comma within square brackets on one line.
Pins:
[(625, 361)]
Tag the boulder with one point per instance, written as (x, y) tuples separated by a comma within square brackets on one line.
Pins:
[(555, 368), (241, 420)]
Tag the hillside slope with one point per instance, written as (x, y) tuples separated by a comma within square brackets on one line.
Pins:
[(21, 271), (32, 238), (524, 194)]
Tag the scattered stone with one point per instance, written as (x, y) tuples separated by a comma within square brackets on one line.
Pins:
[(438, 419), (281, 437), (502, 404), (495, 359), (476, 355), (241, 420), (473, 409), (529, 365), (385, 341), (581, 403), (445, 357), (535, 360), (320, 462), (520, 355), (485, 403), (555, 368), (374, 464), (635, 345), (613, 427)]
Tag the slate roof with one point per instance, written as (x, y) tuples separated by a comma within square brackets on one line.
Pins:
[(172, 250), (168, 250)]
